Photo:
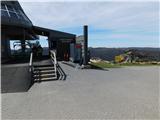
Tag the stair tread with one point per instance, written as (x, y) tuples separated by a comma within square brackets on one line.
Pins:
[(44, 71), (51, 78), (42, 75), (43, 65), (42, 68)]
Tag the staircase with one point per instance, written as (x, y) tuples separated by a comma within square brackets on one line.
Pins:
[(44, 73)]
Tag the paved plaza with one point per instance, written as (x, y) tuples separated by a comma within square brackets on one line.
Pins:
[(117, 93)]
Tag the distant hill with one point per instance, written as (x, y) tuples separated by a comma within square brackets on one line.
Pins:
[(110, 53)]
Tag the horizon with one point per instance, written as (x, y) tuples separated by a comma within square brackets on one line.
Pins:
[(111, 24), (123, 47)]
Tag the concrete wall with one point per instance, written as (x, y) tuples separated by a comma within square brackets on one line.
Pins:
[(15, 79), (5, 47)]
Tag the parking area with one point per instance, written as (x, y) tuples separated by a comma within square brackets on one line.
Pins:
[(117, 93)]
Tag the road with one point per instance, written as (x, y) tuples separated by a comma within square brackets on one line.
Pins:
[(117, 93)]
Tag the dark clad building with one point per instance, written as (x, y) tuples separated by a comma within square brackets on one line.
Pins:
[(15, 25)]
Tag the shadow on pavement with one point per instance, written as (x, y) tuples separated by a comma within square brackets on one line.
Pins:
[(61, 74)]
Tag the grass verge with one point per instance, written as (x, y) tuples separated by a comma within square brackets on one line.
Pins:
[(103, 64)]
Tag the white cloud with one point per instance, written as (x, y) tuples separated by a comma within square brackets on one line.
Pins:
[(84, 0), (112, 15), (117, 16)]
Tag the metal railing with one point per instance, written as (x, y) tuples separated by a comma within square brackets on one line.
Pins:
[(31, 69), (31, 62), (54, 60)]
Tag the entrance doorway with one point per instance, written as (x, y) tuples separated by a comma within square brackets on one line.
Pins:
[(43, 40), (63, 50)]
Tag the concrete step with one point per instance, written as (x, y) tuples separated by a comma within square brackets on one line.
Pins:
[(43, 79), (43, 65), (44, 75), (43, 68), (44, 71)]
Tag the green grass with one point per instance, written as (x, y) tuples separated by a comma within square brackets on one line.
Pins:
[(137, 64), (111, 65), (105, 65)]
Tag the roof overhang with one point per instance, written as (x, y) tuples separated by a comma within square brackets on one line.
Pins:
[(52, 33), (18, 33)]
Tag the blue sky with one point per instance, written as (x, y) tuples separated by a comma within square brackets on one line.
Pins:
[(111, 24)]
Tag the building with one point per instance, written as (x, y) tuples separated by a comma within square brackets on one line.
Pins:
[(57, 40), (15, 25)]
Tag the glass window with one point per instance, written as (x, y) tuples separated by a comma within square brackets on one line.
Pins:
[(15, 46), (16, 10), (23, 16), (3, 6), (13, 15), (4, 13), (10, 8), (20, 16)]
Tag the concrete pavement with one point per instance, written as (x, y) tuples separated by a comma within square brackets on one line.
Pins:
[(119, 93)]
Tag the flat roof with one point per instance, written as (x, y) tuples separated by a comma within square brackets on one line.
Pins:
[(52, 33)]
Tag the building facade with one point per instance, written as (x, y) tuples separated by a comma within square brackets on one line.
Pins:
[(15, 25)]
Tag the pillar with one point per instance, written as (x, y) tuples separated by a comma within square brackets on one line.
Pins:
[(85, 32)]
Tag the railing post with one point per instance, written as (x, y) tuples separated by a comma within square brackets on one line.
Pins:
[(30, 62), (31, 68), (54, 60)]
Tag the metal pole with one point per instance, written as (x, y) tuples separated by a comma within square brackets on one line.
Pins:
[(85, 32)]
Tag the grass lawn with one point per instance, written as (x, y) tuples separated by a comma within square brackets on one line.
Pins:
[(103, 64)]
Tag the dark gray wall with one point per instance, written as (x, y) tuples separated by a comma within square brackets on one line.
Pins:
[(15, 79), (5, 47)]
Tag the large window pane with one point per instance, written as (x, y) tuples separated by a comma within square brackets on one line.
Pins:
[(17, 11), (3, 6), (9, 8), (4, 13), (13, 15), (15, 46), (20, 16), (24, 17)]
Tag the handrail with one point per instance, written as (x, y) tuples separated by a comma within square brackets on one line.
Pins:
[(31, 62), (54, 60), (31, 68), (53, 56)]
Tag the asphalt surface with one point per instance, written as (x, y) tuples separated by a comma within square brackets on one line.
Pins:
[(119, 93), (15, 78)]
